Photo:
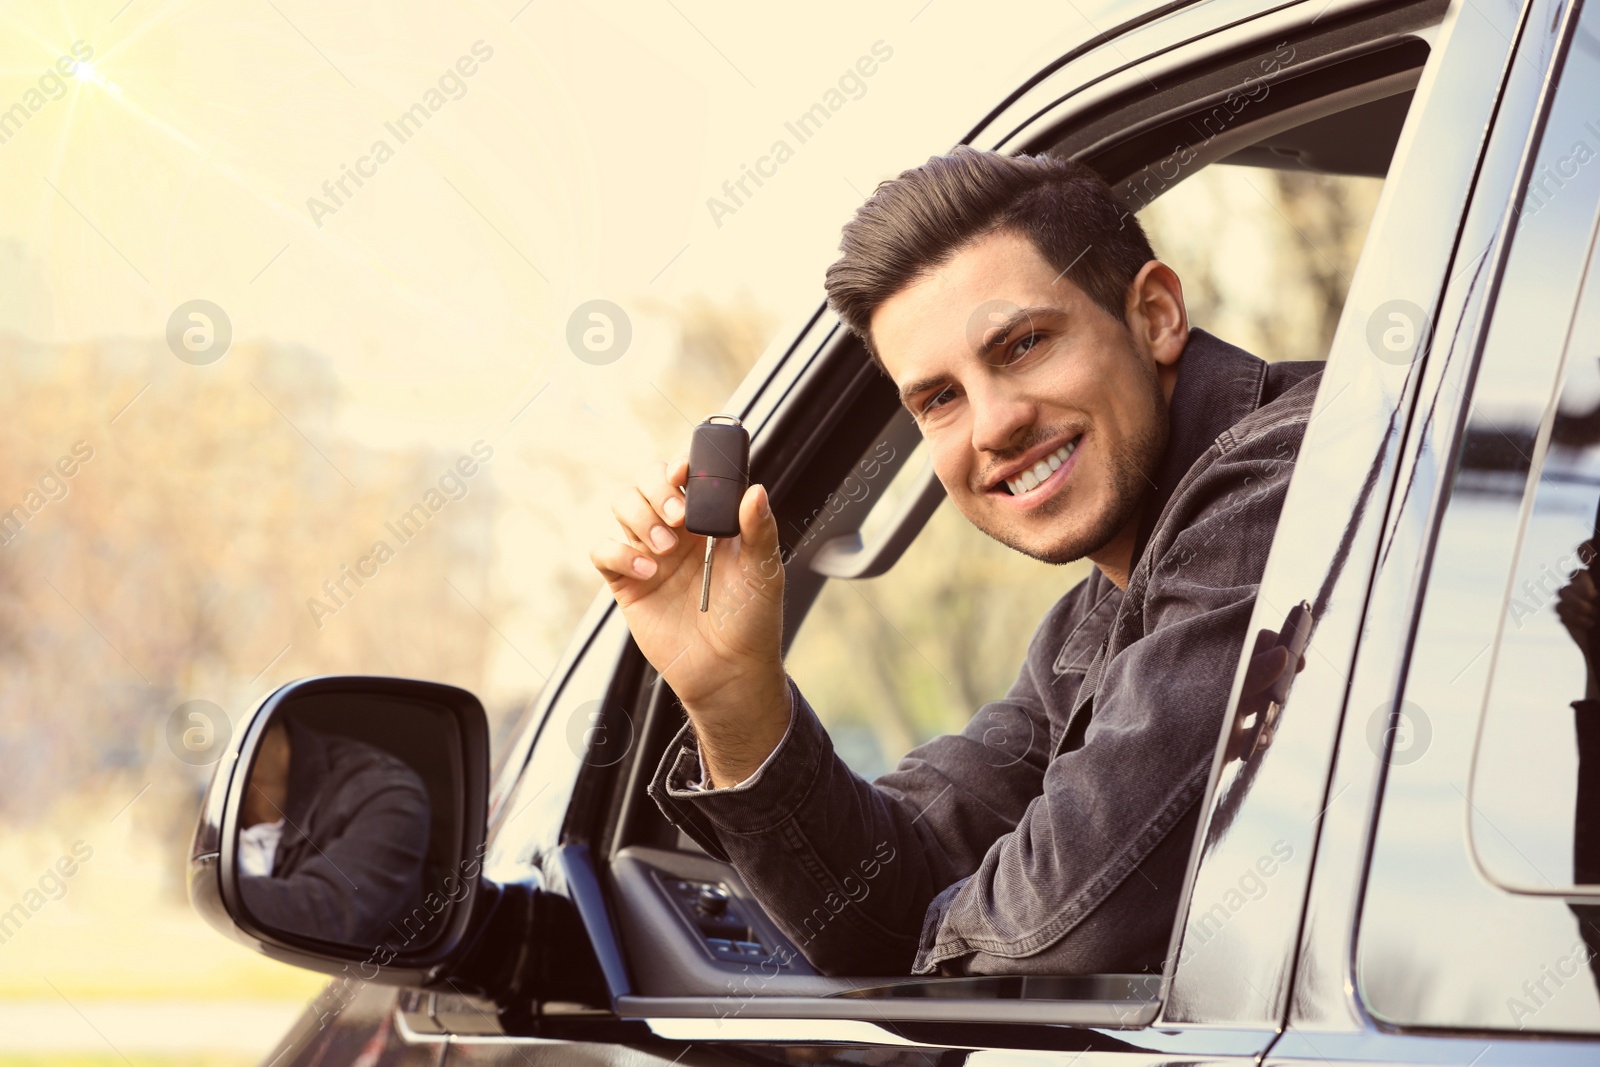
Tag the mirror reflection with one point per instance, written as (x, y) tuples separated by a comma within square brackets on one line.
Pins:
[(346, 827)]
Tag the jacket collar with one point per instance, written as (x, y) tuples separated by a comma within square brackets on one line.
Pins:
[(1218, 384)]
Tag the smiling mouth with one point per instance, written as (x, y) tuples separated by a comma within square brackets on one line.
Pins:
[(1039, 472)]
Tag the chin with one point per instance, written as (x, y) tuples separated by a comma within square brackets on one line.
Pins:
[(1058, 534), (1058, 553), (1057, 549)]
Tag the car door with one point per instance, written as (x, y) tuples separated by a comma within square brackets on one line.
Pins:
[(1458, 916), (1349, 542)]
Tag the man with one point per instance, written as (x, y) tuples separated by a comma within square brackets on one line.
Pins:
[(1070, 412), (334, 834)]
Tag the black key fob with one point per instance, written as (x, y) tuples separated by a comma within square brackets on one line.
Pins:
[(719, 474)]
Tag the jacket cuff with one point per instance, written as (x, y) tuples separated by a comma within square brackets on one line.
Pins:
[(769, 797), (925, 962), (697, 782)]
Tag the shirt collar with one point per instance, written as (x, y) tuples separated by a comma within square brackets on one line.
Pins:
[(1218, 384)]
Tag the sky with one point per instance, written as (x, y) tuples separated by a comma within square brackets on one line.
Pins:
[(429, 196), (198, 154)]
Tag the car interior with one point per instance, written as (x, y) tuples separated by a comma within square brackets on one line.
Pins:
[(686, 925)]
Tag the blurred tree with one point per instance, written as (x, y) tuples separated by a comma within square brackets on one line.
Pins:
[(1265, 256), (182, 559)]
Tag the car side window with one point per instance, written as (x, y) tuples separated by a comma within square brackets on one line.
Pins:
[(1535, 822), (1482, 902), (890, 662)]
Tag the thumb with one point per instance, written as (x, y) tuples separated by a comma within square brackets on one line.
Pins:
[(758, 529), (1265, 669)]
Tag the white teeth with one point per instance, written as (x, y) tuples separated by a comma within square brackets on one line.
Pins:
[(1030, 479)]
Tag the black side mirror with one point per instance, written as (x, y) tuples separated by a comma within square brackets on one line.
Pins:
[(346, 826)]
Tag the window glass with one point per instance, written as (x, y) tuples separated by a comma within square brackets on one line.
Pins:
[(1537, 770), (580, 728)]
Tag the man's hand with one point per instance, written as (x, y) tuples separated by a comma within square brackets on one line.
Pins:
[(1264, 681), (723, 663), (1578, 606)]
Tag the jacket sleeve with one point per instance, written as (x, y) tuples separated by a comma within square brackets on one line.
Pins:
[(846, 867)]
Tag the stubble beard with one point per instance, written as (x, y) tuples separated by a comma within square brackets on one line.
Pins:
[(1132, 470)]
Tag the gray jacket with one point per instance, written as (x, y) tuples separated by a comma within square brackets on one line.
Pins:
[(1051, 835)]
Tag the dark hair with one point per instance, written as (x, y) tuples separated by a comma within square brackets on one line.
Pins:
[(916, 222)]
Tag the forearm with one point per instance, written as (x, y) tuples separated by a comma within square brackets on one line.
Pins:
[(307, 904), (846, 869)]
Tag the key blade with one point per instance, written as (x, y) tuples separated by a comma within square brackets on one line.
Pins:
[(705, 575)]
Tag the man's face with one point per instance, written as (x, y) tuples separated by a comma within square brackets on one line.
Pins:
[(1005, 363), (268, 790)]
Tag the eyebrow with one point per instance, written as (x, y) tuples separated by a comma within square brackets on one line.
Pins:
[(1020, 316)]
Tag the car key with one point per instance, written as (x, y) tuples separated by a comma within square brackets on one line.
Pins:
[(719, 474)]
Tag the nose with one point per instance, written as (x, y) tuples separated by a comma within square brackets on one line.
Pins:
[(1001, 414)]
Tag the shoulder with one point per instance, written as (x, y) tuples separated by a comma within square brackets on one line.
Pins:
[(367, 767), (1288, 392), (1241, 479)]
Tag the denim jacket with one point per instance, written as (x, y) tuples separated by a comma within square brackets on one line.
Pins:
[(1052, 834)]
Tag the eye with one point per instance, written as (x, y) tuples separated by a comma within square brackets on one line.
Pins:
[(933, 402), (1025, 344)]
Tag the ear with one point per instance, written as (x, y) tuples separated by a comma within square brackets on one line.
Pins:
[(1155, 313)]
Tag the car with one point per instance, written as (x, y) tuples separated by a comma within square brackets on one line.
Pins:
[(1403, 875)]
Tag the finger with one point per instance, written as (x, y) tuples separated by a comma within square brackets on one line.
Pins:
[(1574, 618), (758, 530), (643, 524), (1574, 611), (1265, 669), (618, 562), (664, 489), (1580, 586)]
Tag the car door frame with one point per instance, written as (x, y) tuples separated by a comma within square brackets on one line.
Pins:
[(771, 392)]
